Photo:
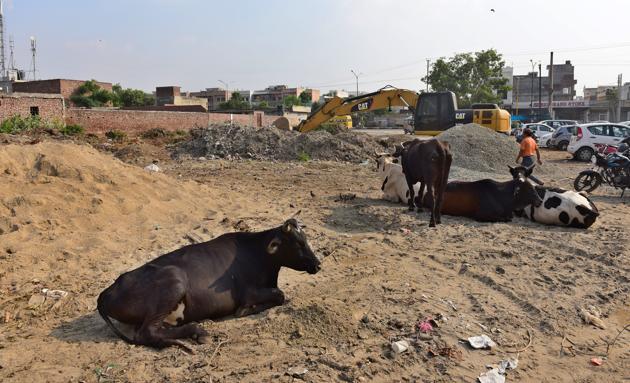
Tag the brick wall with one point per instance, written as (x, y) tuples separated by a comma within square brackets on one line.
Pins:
[(54, 86), (48, 107), (134, 121)]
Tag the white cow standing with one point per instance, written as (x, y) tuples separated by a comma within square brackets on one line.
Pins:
[(393, 182)]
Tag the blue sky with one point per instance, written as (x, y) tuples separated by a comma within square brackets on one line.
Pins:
[(252, 44)]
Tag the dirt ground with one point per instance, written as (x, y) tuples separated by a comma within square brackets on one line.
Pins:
[(77, 227)]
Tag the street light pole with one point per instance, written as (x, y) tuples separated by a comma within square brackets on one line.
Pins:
[(539, 90), (227, 90), (357, 78)]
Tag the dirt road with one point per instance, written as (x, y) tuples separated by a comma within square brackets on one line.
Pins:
[(519, 283)]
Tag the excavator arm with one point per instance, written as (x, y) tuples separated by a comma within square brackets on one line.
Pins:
[(381, 99)]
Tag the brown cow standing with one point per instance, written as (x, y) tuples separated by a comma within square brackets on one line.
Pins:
[(427, 162)]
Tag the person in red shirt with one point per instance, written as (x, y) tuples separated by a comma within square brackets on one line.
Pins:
[(529, 147)]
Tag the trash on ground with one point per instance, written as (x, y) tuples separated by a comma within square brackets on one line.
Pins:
[(597, 361), (54, 294), (400, 346), (481, 341), (297, 371), (425, 326), (591, 316), (492, 376), (508, 364), (153, 168)]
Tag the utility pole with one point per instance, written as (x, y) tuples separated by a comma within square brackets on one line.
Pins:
[(551, 86), (34, 52), (427, 82), (356, 76), (539, 91), (3, 67), (619, 82), (531, 93), (517, 79), (228, 96)]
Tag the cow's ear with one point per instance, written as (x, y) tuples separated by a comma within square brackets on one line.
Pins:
[(273, 246), (287, 227), (529, 170)]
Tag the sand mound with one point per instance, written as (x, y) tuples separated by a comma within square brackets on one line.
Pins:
[(226, 141), (480, 149), (77, 204)]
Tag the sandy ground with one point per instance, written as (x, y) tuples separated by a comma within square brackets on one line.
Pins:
[(76, 218)]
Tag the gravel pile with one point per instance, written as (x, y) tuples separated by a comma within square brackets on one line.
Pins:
[(235, 142), (480, 149)]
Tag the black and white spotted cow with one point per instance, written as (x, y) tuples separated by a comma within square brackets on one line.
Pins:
[(560, 207), (393, 181)]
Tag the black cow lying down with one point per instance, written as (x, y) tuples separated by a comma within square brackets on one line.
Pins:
[(488, 200), (234, 274)]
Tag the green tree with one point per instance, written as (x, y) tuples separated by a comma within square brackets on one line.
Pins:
[(236, 102), (291, 100), (306, 98), (91, 95), (473, 77), (131, 97)]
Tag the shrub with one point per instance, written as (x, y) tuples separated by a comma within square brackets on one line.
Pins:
[(303, 156), (72, 130), (153, 133), (17, 124), (116, 135)]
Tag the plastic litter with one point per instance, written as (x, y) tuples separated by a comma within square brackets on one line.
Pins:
[(507, 364), (492, 376), (400, 346), (425, 326), (597, 361), (482, 341), (54, 294), (153, 168), (297, 371)]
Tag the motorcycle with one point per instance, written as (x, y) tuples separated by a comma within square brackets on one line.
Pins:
[(610, 166)]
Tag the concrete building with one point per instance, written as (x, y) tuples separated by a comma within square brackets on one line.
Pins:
[(508, 74), (525, 87), (274, 95), (172, 95), (57, 86), (217, 96)]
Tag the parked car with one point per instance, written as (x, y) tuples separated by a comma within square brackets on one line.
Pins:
[(562, 136), (539, 131), (583, 145), (558, 123), (626, 123), (544, 141)]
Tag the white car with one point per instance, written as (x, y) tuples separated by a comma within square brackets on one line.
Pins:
[(582, 145), (545, 140), (539, 129)]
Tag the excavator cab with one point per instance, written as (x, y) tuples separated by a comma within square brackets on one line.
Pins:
[(435, 112)]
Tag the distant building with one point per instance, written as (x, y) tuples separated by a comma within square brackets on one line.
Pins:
[(46, 106), (525, 87), (63, 87), (274, 95), (217, 96), (171, 95), (508, 74)]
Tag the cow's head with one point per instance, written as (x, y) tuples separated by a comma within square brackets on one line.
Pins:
[(289, 248), (524, 193), (383, 158)]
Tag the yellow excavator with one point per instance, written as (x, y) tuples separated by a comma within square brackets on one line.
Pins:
[(433, 112)]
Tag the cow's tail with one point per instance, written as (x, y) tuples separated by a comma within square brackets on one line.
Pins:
[(101, 310)]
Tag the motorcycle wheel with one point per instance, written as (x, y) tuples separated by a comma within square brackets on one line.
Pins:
[(587, 181)]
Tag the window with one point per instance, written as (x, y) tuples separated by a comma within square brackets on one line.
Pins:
[(618, 131), (34, 110), (598, 130)]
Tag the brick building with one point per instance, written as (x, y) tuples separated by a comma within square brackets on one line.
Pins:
[(63, 87), (47, 106), (172, 95), (217, 96), (274, 95)]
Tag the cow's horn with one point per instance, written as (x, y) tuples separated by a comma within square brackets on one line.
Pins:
[(296, 214)]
